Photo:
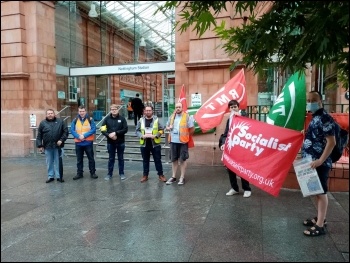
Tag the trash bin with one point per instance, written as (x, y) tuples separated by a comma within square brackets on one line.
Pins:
[(97, 115)]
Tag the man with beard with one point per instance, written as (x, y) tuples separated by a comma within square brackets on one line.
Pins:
[(52, 133), (149, 129), (181, 126)]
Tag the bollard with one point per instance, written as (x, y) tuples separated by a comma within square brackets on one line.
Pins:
[(34, 140)]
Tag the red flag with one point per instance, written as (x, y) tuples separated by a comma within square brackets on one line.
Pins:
[(211, 113), (261, 153), (182, 98)]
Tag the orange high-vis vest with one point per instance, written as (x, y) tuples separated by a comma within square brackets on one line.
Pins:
[(184, 133), (82, 128), (129, 106)]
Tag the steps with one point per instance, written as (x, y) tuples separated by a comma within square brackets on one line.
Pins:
[(132, 147)]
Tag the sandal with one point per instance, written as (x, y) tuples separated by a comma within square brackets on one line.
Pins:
[(313, 221), (314, 231)]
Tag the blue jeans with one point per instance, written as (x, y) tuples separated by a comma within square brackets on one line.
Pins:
[(79, 151), (146, 155), (52, 162), (112, 148)]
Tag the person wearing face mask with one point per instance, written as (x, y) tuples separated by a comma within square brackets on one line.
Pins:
[(318, 143), (233, 105)]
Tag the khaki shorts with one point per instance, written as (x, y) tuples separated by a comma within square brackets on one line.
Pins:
[(179, 151)]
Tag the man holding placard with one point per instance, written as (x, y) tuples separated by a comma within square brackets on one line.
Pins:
[(149, 129)]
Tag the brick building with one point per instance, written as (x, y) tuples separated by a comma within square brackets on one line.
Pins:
[(43, 42)]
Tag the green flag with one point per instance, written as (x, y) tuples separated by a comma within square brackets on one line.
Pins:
[(290, 107), (191, 111)]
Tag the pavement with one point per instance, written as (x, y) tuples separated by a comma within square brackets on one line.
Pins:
[(92, 220)]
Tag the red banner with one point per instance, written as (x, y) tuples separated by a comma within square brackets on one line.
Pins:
[(182, 98), (211, 113), (261, 153)]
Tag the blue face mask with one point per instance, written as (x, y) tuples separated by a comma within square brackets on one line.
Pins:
[(312, 106)]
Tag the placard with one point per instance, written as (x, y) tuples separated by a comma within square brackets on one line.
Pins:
[(307, 177), (32, 119), (61, 94), (196, 100)]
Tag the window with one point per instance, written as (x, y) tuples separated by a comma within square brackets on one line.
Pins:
[(73, 89)]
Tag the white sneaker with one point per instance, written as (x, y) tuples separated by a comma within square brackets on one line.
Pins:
[(232, 192), (171, 180), (181, 181), (247, 194)]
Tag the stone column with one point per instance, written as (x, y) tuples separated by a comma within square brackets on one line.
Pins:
[(28, 71)]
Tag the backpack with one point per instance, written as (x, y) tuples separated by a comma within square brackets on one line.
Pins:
[(341, 141)]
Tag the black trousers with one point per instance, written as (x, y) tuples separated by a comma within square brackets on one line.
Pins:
[(137, 116), (60, 163), (233, 181)]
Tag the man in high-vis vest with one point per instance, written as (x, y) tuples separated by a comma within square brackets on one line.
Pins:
[(181, 126), (149, 129), (83, 129)]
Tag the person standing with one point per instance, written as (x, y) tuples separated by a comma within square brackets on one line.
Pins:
[(234, 109), (137, 106), (318, 144), (114, 127), (83, 129), (52, 133), (130, 111), (149, 129), (181, 126)]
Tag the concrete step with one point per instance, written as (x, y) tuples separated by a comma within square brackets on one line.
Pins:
[(132, 147)]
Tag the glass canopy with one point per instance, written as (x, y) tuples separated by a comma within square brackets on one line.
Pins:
[(139, 17)]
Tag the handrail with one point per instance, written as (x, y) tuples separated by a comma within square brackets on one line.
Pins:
[(102, 119), (98, 136), (120, 106), (65, 107)]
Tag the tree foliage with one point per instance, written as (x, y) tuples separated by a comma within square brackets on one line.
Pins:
[(290, 35)]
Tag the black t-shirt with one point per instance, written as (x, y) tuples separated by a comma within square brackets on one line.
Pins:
[(148, 122), (147, 125)]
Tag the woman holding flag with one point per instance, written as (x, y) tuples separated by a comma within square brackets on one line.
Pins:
[(233, 105)]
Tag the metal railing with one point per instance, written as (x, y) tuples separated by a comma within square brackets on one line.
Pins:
[(35, 129), (262, 116), (95, 143)]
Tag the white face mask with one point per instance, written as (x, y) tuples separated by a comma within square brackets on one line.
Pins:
[(312, 106)]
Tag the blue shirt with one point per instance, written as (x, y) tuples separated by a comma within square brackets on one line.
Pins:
[(321, 126)]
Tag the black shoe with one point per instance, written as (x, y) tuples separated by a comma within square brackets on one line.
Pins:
[(94, 176), (78, 176), (50, 180), (60, 180)]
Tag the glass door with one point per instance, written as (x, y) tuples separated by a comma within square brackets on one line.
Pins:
[(102, 99)]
